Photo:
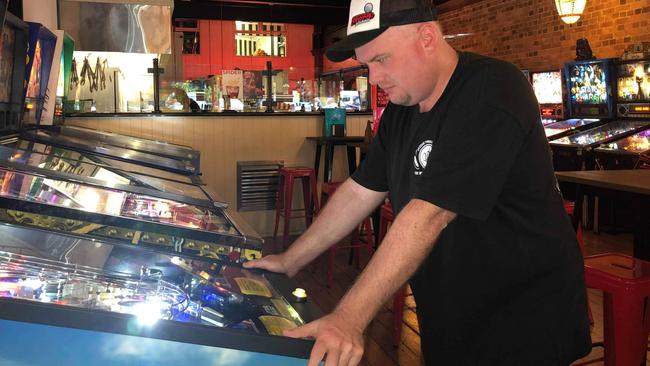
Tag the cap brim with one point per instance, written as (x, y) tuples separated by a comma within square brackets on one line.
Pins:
[(344, 49)]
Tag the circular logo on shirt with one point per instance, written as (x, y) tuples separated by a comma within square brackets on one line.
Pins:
[(367, 8), (421, 156)]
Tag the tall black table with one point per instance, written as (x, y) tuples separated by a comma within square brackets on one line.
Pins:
[(632, 186), (350, 142)]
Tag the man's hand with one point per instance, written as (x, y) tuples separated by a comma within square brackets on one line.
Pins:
[(338, 340), (274, 263)]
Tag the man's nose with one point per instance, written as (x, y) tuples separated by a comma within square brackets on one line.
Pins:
[(374, 77)]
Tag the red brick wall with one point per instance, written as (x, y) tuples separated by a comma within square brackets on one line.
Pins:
[(531, 34)]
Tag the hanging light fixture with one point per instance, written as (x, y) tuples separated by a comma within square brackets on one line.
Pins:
[(570, 10)]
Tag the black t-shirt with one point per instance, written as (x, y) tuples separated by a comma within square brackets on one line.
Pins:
[(504, 283)]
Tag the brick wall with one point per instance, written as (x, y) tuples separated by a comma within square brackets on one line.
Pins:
[(531, 34)]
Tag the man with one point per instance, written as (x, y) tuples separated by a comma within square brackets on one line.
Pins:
[(481, 233)]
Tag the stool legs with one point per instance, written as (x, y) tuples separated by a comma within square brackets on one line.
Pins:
[(284, 201), (399, 299), (626, 329)]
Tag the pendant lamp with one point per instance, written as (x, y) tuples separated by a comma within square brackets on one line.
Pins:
[(570, 10)]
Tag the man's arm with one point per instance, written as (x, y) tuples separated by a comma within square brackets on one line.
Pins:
[(339, 335), (350, 204)]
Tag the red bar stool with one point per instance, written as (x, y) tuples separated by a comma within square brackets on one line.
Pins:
[(386, 217), (283, 203), (327, 190), (625, 282)]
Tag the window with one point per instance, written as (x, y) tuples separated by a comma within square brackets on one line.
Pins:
[(259, 39), (191, 44)]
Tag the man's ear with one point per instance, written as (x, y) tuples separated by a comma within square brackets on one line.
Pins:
[(428, 36)]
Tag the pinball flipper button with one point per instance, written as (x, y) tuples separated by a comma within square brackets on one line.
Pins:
[(234, 256)]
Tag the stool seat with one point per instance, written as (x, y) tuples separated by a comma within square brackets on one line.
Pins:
[(625, 282), (284, 198)]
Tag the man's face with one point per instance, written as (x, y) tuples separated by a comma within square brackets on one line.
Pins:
[(392, 61)]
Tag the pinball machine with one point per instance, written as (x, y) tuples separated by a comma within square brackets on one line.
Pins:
[(548, 89), (40, 53), (633, 97), (13, 50), (547, 86), (120, 261), (590, 90), (82, 259)]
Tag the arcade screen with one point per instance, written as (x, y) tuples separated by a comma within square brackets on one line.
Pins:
[(638, 143), (7, 51), (588, 83), (34, 86), (634, 82), (548, 87)]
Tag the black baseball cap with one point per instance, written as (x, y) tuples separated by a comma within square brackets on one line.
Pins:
[(370, 18)]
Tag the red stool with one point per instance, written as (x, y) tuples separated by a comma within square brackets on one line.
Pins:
[(386, 217), (283, 203), (625, 282), (569, 207), (328, 189)]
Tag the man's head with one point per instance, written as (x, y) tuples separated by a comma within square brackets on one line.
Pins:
[(370, 18), (403, 49)]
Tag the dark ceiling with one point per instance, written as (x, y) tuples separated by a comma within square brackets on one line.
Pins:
[(323, 12)]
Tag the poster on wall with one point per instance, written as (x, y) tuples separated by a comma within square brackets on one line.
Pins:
[(233, 83), (252, 84), (381, 101)]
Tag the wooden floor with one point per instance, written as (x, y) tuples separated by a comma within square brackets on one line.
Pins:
[(379, 350)]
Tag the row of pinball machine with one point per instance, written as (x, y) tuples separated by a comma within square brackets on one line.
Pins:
[(113, 251), (596, 113)]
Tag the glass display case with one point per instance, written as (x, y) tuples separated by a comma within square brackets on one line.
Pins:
[(626, 153), (114, 303), (118, 153), (345, 88), (162, 148), (132, 219), (602, 134), (574, 152), (132, 169), (563, 128), (84, 169)]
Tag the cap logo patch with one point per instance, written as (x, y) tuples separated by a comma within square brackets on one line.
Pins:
[(365, 17)]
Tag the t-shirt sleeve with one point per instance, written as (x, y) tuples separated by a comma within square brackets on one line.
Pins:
[(372, 172), (470, 161)]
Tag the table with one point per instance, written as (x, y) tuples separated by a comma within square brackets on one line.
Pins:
[(630, 185), (350, 142)]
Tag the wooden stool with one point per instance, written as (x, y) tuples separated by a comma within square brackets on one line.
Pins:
[(327, 190), (625, 282), (283, 203)]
